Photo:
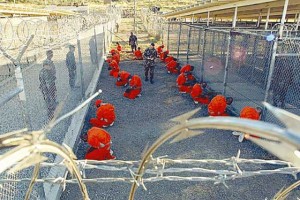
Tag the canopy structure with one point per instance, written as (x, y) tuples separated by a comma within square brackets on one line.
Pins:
[(243, 9), (12, 10)]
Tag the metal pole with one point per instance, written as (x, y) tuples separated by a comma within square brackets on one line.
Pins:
[(199, 39), (271, 71), (80, 66), (189, 44), (104, 42), (168, 39), (207, 23), (234, 17), (298, 22), (193, 18), (268, 18), (258, 20), (178, 45), (134, 20), (286, 3), (96, 47), (203, 57), (226, 65)]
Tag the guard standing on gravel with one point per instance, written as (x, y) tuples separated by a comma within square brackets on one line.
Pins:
[(132, 42), (71, 65), (149, 56), (47, 79)]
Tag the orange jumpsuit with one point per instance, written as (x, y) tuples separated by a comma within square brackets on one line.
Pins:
[(186, 68), (163, 55), (217, 106), (160, 49), (183, 83), (172, 67), (123, 78), (249, 113), (168, 59), (105, 116), (100, 142), (197, 96), (135, 88), (114, 69), (138, 55), (119, 48)]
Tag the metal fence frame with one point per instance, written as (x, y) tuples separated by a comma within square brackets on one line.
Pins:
[(262, 56)]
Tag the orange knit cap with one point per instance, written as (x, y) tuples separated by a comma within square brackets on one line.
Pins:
[(113, 63), (112, 51), (97, 136), (217, 106), (249, 113), (98, 102)]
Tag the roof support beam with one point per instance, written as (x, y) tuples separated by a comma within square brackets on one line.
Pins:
[(268, 18), (298, 22), (286, 3), (234, 17)]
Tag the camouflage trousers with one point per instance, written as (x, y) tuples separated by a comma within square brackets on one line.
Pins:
[(149, 66)]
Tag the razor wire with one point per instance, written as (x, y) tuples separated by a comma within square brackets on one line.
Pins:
[(163, 168), (163, 165), (15, 33)]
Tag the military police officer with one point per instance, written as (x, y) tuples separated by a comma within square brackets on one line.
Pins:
[(71, 65), (149, 56), (47, 77)]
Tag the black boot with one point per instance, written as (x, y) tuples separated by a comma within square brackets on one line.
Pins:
[(146, 78), (151, 81)]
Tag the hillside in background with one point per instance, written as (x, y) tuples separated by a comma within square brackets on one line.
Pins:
[(164, 5)]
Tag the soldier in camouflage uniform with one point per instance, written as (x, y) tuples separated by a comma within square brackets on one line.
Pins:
[(71, 65), (47, 79), (149, 56)]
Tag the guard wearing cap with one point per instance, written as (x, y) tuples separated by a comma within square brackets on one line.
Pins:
[(49, 55), (71, 65), (47, 77), (132, 42), (149, 56)]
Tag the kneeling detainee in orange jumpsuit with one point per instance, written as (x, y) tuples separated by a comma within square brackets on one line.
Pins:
[(217, 106), (123, 78), (197, 94), (105, 115), (135, 88)]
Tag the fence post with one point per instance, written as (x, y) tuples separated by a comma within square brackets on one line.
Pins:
[(80, 65), (203, 56), (271, 71), (226, 65), (189, 44), (199, 39), (104, 41), (213, 44), (168, 39), (96, 47), (178, 44), (20, 81)]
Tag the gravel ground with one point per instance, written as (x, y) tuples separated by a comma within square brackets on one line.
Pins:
[(142, 121)]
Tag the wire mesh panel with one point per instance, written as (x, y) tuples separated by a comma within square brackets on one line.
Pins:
[(285, 86), (173, 38), (214, 56), (248, 69), (183, 41)]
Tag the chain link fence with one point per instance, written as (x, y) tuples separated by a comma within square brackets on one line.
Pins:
[(238, 63), (46, 70)]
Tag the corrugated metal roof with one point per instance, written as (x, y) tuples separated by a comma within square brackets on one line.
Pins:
[(246, 8)]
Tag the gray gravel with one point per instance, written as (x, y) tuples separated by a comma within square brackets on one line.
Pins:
[(140, 122)]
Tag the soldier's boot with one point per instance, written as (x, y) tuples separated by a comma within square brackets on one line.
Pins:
[(151, 80), (146, 78)]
